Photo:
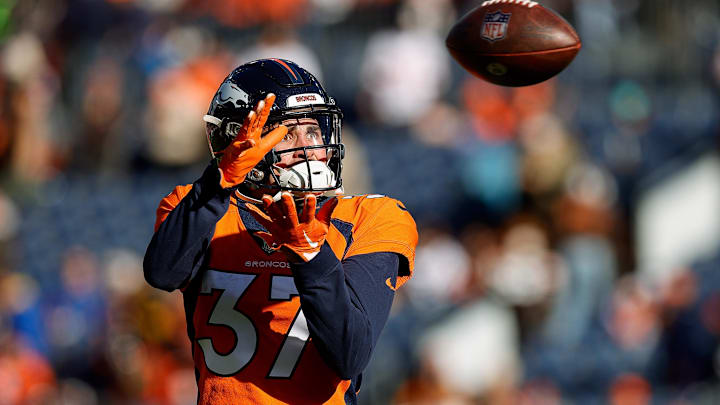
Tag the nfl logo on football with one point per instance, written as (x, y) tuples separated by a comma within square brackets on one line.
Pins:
[(495, 26)]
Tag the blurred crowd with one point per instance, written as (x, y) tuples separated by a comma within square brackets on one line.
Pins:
[(569, 232)]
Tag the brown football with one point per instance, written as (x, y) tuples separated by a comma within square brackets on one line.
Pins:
[(513, 42)]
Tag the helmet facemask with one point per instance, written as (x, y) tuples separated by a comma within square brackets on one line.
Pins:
[(307, 173)]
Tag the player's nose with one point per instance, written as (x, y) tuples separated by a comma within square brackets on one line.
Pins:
[(302, 142), (301, 154)]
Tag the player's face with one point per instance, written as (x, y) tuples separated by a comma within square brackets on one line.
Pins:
[(301, 132)]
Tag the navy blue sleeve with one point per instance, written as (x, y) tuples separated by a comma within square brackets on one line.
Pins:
[(346, 305), (177, 250)]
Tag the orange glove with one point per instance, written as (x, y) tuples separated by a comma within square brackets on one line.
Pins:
[(298, 237), (248, 148)]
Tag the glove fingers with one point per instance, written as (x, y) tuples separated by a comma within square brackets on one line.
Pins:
[(246, 149), (272, 138), (326, 211), (240, 146), (272, 209), (257, 117), (248, 123), (264, 111), (308, 213), (287, 206), (267, 202)]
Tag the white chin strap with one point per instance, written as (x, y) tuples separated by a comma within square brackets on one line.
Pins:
[(299, 177)]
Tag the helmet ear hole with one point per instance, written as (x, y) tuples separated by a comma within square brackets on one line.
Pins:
[(256, 175)]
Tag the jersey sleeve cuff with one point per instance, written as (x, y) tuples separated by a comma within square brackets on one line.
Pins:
[(210, 182), (322, 264)]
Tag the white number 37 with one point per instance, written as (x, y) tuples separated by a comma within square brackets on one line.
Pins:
[(232, 287)]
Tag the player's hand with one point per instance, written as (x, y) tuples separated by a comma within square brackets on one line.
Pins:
[(249, 146), (301, 236)]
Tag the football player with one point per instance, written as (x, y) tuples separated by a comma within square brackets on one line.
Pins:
[(286, 283)]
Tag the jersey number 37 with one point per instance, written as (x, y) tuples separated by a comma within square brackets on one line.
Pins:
[(232, 286)]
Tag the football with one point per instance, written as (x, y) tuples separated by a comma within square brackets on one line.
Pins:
[(513, 42)]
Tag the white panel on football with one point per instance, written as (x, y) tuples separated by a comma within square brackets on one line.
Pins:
[(678, 221)]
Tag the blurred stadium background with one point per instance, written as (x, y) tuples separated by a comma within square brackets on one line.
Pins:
[(570, 231)]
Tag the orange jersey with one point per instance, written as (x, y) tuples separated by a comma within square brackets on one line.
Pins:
[(250, 338)]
